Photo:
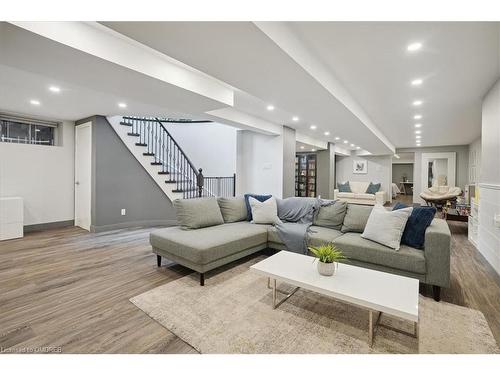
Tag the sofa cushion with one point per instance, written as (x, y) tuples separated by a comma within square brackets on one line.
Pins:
[(318, 236), (260, 198), (419, 220), (331, 216), (344, 187), (364, 196), (197, 213), (358, 186), (372, 188), (355, 247), (233, 209), (346, 195), (209, 244), (356, 218)]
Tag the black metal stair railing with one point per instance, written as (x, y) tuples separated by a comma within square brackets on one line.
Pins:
[(173, 162)]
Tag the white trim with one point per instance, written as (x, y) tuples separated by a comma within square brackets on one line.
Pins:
[(489, 186), (452, 166)]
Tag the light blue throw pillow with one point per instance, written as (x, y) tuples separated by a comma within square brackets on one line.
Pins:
[(344, 188), (373, 188)]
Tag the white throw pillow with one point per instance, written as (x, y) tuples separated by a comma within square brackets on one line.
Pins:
[(264, 212), (386, 227)]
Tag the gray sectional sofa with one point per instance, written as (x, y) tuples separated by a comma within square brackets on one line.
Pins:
[(214, 232)]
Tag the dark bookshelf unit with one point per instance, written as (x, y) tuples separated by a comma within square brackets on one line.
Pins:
[(305, 175)]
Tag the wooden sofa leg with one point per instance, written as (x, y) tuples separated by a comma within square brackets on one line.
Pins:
[(158, 260), (436, 291), (202, 279)]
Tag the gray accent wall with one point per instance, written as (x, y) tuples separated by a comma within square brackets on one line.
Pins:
[(325, 179), (288, 162), (120, 182), (401, 170)]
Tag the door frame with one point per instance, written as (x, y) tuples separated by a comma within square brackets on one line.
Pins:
[(77, 223)]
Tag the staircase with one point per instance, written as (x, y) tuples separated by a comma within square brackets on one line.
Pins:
[(153, 146)]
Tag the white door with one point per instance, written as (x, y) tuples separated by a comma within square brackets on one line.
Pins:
[(83, 159)]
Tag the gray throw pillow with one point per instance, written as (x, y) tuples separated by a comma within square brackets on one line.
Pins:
[(331, 216), (356, 218), (197, 213), (233, 209)]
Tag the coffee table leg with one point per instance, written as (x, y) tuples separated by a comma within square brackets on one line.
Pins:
[(274, 293), (370, 328)]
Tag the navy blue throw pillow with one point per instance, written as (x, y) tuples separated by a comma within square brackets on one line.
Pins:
[(260, 198), (419, 220)]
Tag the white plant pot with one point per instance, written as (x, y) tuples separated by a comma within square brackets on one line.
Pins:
[(327, 269)]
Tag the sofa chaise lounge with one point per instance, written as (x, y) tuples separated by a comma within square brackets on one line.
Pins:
[(209, 247)]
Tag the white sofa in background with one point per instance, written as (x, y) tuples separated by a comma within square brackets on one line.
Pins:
[(358, 194)]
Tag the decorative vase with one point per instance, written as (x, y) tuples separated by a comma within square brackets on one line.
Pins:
[(327, 269)]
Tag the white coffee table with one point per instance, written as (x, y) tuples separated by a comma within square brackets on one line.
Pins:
[(378, 292)]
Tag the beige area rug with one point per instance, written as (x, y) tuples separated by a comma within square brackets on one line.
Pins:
[(232, 313)]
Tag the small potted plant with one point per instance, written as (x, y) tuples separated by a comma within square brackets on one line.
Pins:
[(328, 256)]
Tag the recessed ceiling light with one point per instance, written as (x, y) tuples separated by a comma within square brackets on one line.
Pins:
[(313, 149), (418, 125), (414, 46), (35, 102), (418, 144), (295, 118), (55, 89), (337, 138), (312, 127), (417, 117), (352, 144), (122, 105), (418, 137), (358, 148), (416, 82), (346, 141), (270, 107), (301, 147), (326, 133), (418, 131), (416, 103)]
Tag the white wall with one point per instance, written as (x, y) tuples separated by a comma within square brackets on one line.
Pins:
[(379, 170), (42, 175), (489, 181), (259, 167), (210, 146)]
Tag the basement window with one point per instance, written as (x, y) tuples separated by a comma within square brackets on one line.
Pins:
[(14, 129)]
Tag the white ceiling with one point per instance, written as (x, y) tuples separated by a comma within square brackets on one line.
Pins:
[(459, 62)]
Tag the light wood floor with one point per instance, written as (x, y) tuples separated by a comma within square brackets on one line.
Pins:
[(70, 289)]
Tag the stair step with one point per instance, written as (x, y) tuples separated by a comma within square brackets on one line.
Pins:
[(141, 144), (163, 172), (125, 123), (183, 190), (156, 163), (133, 134), (147, 153)]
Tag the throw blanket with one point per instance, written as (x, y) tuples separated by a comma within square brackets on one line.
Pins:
[(297, 215)]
